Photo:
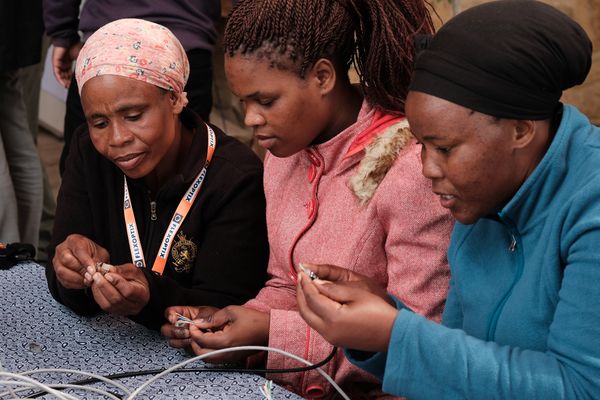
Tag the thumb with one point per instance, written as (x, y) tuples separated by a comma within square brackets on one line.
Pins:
[(206, 312), (171, 314), (100, 253), (339, 292), (328, 272), (84, 257), (214, 321)]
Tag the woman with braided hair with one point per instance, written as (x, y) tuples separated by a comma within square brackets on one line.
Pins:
[(342, 178)]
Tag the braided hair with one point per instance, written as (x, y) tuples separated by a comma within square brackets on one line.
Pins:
[(377, 36)]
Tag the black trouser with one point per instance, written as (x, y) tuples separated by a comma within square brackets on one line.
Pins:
[(198, 88)]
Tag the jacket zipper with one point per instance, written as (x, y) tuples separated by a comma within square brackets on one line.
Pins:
[(517, 248), (513, 243), (153, 211), (150, 230), (314, 203)]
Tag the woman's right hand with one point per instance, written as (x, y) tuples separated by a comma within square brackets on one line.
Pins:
[(345, 314), (73, 256), (231, 326), (178, 334), (332, 273)]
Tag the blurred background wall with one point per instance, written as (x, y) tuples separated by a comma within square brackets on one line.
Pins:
[(227, 113), (587, 13)]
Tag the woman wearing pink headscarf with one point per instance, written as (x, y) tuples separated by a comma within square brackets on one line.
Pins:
[(156, 207)]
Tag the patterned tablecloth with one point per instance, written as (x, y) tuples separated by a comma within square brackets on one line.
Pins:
[(37, 332)]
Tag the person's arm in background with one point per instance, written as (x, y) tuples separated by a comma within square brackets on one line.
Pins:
[(231, 261), (61, 18)]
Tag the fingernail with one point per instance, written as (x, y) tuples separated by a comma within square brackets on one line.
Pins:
[(88, 276), (299, 277), (109, 278), (91, 269), (96, 277)]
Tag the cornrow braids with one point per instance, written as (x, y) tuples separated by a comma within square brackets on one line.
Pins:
[(376, 35)]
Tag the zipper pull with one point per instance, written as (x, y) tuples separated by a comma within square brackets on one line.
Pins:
[(153, 216), (513, 244)]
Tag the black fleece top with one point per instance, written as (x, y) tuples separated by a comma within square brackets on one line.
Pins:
[(226, 224)]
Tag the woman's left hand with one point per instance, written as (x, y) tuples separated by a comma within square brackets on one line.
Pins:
[(332, 273), (229, 327), (121, 290), (346, 315), (178, 333)]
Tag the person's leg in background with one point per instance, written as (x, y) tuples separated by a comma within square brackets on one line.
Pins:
[(31, 78), (23, 161), (74, 117), (9, 215)]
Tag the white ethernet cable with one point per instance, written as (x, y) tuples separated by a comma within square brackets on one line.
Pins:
[(123, 388), (101, 378), (30, 383), (27, 387), (234, 349), (35, 384), (10, 391)]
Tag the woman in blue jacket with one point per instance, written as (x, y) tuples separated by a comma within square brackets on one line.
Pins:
[(520, 172)]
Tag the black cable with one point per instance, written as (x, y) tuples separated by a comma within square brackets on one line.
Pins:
[(130, 374)]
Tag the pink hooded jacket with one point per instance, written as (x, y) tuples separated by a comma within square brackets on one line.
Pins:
[(372, 212)]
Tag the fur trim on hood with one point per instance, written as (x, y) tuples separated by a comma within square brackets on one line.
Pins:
[(379, 158)]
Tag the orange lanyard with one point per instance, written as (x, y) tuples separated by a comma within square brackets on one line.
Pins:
[(135, 246)]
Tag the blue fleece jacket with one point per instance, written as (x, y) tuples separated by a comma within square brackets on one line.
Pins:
[(522, 319)]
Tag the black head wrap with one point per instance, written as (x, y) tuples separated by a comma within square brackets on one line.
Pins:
[(507, 58)]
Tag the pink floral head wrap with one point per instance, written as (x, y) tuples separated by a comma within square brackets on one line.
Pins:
[(137, 49)]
